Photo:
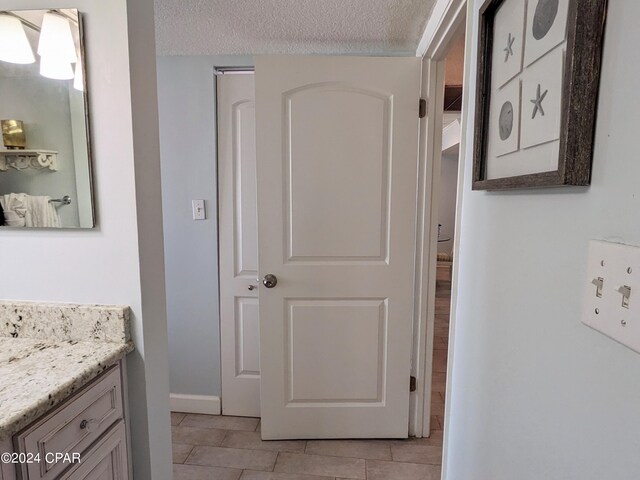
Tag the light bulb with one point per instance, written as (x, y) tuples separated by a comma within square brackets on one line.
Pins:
[(14, 45), (55, 69), (56, 40)]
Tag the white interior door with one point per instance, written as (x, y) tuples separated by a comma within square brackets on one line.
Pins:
[(337, 144), (239, 326)]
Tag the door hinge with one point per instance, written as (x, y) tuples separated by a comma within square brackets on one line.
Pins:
[(422, 110), (413, 384)]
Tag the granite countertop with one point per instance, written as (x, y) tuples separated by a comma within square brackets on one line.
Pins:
[(49, 351)]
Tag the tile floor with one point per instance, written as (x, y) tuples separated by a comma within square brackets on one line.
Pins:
[(229, 448)]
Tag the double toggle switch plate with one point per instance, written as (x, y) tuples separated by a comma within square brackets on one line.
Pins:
[(612, 292)]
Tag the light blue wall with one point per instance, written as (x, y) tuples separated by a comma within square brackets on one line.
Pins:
[(534, 393), (186, 95)]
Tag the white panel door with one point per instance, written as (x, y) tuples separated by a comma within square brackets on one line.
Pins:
[(337, 143), (239, 326)]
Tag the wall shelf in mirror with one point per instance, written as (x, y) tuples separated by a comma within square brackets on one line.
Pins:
[(23, 159)]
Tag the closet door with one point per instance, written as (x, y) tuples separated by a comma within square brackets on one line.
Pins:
[(239, 325)]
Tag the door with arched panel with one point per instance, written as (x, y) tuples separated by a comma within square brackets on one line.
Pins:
[(337, 156)]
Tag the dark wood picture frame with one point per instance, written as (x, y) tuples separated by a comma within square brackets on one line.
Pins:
[(585, 35)]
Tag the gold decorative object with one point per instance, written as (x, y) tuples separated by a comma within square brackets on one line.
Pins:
[(13, 134)]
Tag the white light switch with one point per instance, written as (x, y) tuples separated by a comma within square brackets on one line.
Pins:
[(612, 292), (198, 210)]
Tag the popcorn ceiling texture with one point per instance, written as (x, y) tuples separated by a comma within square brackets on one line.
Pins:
[(365, 27)]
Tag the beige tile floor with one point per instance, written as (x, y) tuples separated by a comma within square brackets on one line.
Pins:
[(209, 447)]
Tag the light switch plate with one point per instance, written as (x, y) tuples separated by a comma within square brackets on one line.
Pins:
[(616, 267), (199, 212)]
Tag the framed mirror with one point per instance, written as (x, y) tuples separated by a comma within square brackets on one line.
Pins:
[(45, 154)]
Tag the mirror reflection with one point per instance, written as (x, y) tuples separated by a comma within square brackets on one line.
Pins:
[(45, 168)]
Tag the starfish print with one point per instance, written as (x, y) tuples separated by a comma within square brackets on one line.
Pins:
[(509, 48), (537, 102)]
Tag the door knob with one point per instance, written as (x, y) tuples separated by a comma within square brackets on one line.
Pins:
[(269, 280), (88, 425)]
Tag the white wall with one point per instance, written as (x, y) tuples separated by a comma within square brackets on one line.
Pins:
[(186, 93), (534, 393), (120, 261), (447, 191)]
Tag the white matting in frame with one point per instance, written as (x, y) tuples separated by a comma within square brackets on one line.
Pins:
[(543, 158), (542, 100), (546, 27), (508, 42), (504, 120)]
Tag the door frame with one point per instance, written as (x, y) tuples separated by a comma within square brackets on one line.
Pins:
[(447, 18), (446, 21)]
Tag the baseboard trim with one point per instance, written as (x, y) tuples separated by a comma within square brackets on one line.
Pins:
[(207, 404)]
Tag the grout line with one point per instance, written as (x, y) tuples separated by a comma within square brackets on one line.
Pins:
[(223, 438), (184, 416), (336, 456), (274, 463), (188, 456)]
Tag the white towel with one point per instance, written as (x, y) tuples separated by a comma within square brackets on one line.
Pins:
[(22, 210), (15, 209), (41, 212)]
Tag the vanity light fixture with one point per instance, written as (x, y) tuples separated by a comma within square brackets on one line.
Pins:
[(56, 40), (55, 69), (56, 47), (14, 44)]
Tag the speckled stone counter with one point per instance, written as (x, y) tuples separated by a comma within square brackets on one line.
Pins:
[(49, 351), (64, 321)]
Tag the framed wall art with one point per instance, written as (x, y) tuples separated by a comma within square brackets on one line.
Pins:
[(538, 79)]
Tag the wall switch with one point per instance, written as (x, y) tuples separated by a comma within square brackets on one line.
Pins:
[(612, 292), (199, 212)]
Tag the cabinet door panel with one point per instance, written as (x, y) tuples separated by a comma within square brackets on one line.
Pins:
[(106, 460), (7, 470)]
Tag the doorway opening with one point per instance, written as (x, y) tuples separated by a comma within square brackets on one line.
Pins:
[(447, 188), (337, 328), (248, 308)]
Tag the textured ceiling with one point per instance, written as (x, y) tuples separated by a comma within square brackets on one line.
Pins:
[(208, 27)]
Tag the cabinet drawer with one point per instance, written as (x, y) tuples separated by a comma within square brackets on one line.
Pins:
[(106, 460), (72, 427)]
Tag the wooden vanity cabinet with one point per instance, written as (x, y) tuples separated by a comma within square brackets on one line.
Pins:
[(7, 470), (90, 423), (106, 460)]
